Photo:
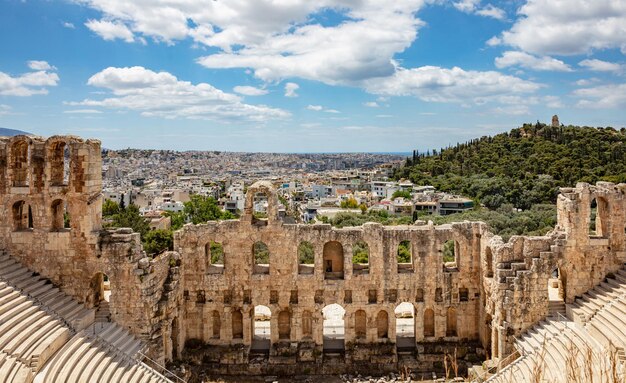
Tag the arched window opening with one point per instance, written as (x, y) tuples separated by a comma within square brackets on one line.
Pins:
[(214, 253), (405, 326), (360, 324), (451, 322), (382, 324), (260, 208), (429, 323), (333, 260), (59, 165), (307, 325), (20, 163), (216, 324), (284, 325), (100, 287), (450, 252), (598, 218), (489, 255), (237, 324), (60, 216), (261, 329), (22, 216), (306, 258), (334, 328), (360, 258), (405, 257), (261, 256)]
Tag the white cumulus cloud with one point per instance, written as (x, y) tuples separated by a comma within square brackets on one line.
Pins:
[(602, 96), (30, 83), (568, 27), (528, 61), (249, 90), (435, 84), (600, 66), (316, 108), (291, 89), (474, 6), (161, 94), (111, 30)]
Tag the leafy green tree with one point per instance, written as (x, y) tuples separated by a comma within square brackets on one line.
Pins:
[(177, 219), (401, 193), (350, 203), (360, 253), (261, 253), (404, 252), (306, 254), (157, 241), (217, 253), (200, 209), (448, 251), (110, 208), (131, 217)]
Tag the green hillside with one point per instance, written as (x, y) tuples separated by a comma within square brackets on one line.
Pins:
[(523, 167)]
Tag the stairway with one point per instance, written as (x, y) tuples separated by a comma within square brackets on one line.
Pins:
[(103, 313), (46, 336), (590, 343)]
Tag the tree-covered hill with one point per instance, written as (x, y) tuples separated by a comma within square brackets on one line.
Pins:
[(524, 166)]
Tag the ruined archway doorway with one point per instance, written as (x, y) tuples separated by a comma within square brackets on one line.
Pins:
[(261, 329), (100, 288), (556, 293), (334, 328), (405, 327)]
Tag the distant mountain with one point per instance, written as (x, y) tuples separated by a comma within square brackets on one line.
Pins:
[(4, 132)]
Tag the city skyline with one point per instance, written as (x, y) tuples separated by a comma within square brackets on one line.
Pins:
[(300, 76)]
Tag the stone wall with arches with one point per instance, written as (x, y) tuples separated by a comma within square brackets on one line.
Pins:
[(296, 296)]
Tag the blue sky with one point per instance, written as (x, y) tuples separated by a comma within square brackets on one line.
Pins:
[(308, 76)]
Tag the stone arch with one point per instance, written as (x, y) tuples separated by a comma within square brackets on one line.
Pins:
[(599, 217), (404, 314), (284, 325), (450, 255), (360, 257), (261, 188), (333, 260), (382, 324), (307, 324), (334, 328), (429, 323), (261, 258), (216, 324), (20, 162), (59, 215), (404, 256), (22, 216), (261, 328), (360, 324), (451, 322), (101, 293), (57, 152), (237, 324)]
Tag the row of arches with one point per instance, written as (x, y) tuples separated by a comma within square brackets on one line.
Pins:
[(334, 325), (333, 257), (57, 159), (23, 219)]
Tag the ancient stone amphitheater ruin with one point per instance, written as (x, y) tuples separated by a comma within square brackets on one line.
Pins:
[(83, 304)]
